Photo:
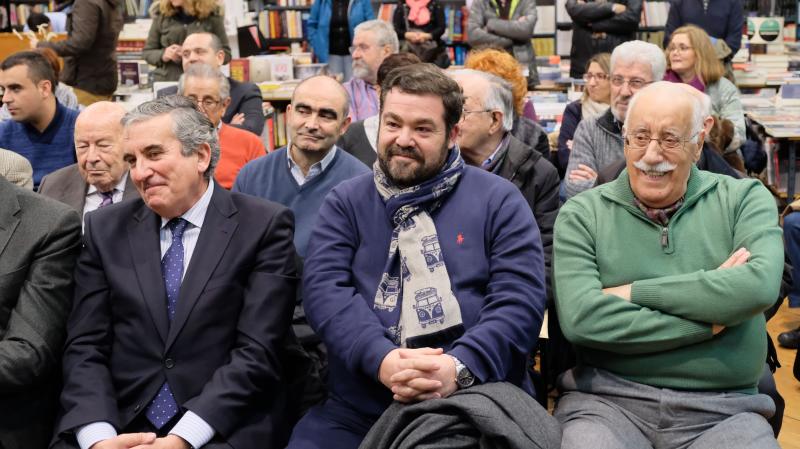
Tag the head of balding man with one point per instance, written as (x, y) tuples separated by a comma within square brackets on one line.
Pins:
[(98, 134), (317, 116), (663, 138), (203, 48)]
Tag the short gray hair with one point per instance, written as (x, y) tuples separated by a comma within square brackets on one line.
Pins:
[(699, 107), (499, 97), (643, 53), (384, 32), (205, 71), (190, 126)]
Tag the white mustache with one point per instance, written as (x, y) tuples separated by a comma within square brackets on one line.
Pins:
[(661, 167)]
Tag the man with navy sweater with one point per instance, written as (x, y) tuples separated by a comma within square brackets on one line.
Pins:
[(41, 128), (423, 277), (301, 174)]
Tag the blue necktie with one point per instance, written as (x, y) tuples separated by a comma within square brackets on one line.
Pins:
[(164, 407), (108, 199)]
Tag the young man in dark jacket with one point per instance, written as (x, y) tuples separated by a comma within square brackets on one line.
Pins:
[(90, 61)]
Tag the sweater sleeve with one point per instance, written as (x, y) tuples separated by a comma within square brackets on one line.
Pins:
[(583, 152), (731, 295), (519, 29), (477, 31), (585, 13), (572, 116), (728, 105), (733, 36), (627, 22), (85, 19), (509, 322), (335, 310), (590, 318), (152, 50)]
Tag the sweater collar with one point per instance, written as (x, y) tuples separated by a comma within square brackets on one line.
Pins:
[(620, 191), (54, 124), (608, 122)]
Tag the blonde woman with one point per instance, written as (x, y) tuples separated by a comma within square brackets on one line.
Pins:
[(173, 20), (691, 59)]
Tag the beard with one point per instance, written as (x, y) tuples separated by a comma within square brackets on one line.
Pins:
[(361, 70), (406, 174)]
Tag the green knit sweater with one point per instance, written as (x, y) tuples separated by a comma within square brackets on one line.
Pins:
[(663, 336)]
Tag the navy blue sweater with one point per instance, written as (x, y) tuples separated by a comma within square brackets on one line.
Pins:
[(269, 177), (47, 151), (491, 245), (723, 19)]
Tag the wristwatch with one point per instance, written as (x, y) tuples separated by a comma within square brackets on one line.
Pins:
[(464, 377)]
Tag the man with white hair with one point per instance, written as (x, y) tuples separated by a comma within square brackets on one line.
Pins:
[(373, 41), (485, 141), (598, 142), (661, 278)]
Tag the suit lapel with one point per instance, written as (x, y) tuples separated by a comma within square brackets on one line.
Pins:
[(130, 189), (218, 228), (75, 191), (9, 208), (143, 236)]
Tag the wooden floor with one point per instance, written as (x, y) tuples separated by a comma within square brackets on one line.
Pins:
[(788, 386)]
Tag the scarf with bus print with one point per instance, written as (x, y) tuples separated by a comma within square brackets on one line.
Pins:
[(415, 301)]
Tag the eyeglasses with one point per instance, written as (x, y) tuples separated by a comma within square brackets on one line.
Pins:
[(678, 48), (360, 47), (633, 83), (641, 140), (598, 76), (206, 103), (465, 112)]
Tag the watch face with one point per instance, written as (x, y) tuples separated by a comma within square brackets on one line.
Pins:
[(465, 378)]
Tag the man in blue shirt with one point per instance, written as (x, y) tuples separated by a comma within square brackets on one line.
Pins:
[(423, 277), (41, 129)]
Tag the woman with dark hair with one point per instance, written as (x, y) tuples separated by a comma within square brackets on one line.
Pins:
[(173, 20), (420, 25), (595, 100)]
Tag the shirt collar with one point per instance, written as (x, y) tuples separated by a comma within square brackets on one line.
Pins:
[(321, 165), (197, 213), (120, 187), (503, 142)]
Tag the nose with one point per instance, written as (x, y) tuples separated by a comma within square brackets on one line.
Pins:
[(140, 172), (7, 98), (653, 153), (405, 137)]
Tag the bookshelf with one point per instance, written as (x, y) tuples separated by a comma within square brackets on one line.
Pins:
[(283, 22), (14, 13)]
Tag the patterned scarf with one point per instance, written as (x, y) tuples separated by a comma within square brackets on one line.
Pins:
[(660, 216), (415, 271), (418, 12)]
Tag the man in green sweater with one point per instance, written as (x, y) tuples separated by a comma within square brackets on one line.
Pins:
[(661, 278)]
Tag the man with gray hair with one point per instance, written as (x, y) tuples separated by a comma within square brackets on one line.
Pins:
[(658, 275), (373, 41), (485, 141), (210, 90), (598, 142), (183, 300)]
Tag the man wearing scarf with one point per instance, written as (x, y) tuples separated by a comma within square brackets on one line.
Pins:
[(423, 277), (664, 309)]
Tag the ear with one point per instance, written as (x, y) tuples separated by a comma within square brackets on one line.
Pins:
[(220, 58), (345, 124), (708, 123), (451, 139), (701, 137), (203, 157), (45, 88), (497, 122), (225, 105), (386, 51)]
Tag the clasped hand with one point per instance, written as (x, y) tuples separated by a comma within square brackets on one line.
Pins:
[(142, 441), (418, 374)]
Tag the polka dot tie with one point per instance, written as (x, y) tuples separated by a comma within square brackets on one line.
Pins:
[(164, 407)]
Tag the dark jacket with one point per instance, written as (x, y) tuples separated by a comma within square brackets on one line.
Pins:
[(532, 134), (436, 27), (723, 19), (90, 60), (166, 31), (355, 142), (573, 115), (245, 98), (468, 418), (538, 181), (596, 29)]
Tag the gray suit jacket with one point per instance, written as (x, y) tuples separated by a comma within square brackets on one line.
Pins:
[(67, 185), (39, 243)]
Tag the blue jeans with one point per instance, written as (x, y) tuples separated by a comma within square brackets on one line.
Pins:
[(791, 235), (341, 64)]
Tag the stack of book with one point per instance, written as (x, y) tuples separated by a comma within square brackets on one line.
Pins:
[(291, 24)]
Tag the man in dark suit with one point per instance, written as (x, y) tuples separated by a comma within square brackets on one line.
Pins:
[(184, 299), (100, 178), (245, 110), (39, 242)]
